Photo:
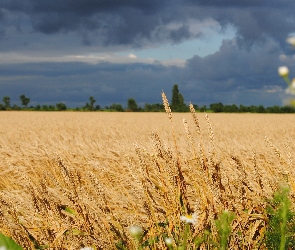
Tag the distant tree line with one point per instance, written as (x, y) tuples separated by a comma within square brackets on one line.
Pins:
[(219, 107), (177, 105)]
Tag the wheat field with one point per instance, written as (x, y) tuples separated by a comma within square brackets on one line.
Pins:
[(80, 179)]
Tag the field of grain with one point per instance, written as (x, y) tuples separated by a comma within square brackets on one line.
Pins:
[(76, 179)]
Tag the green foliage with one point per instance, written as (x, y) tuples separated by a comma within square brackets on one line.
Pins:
[(177, 105), (117, 107), (61, 106), (216, 107), (90, 106), (37, 107), (155, 107), (223, 225), (280, 232), (6, 101), (15, 107), (8, 243), (230, 108), (24, 100), (203, 108), (92, 101), (45, 108), (177, 102), (51, 108), (132, 105)]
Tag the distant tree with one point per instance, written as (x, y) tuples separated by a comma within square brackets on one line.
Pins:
[(16, 107), (216, 107), (117, 107), (196, 107), (230, 108), (37, 107), (132, 105), (203, 108), (177, 102), (61, 106), (287, 109), (45, 107), (87, 107), (274, 109), (51, 108), (260, 109), (92, 101), (155, 107), (97, 107), (243, 108), (90, 106), (24, 100), (234, 108), (6, 101), (227, 109)]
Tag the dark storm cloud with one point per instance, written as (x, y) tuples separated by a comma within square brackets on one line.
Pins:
[(135, 21), (231, 61), (234, 75), (180, 34), (231, 75), (50, 83), (115, 22)]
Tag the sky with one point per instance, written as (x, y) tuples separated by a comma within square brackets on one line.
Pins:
[(216, 51)]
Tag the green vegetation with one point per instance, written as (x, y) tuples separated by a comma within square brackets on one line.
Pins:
[(90, 106), (24, 100), (6, 101), (177, 105), (132, 105), (8, 243), (280, 232)]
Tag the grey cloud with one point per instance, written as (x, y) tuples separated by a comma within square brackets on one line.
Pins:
[(233, 61), (49, 83), (235, 75), (135, 22), (180, 34), (231, 75)]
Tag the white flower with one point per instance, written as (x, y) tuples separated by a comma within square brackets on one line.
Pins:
[(3, 248), (169, 241), (291, 40), (191, 219), (84, 248), (283, 71), (135, 231)]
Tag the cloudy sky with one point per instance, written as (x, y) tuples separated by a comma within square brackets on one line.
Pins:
[(216, 51)]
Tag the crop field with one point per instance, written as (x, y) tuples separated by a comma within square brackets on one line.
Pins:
[(70, 180)]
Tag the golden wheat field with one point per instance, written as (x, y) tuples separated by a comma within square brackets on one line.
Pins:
[(80, 179)]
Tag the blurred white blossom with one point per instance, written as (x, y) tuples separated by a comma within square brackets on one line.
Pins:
[(191, 219), (135, 231), (291, 40), (169, 241), (283, 71)]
